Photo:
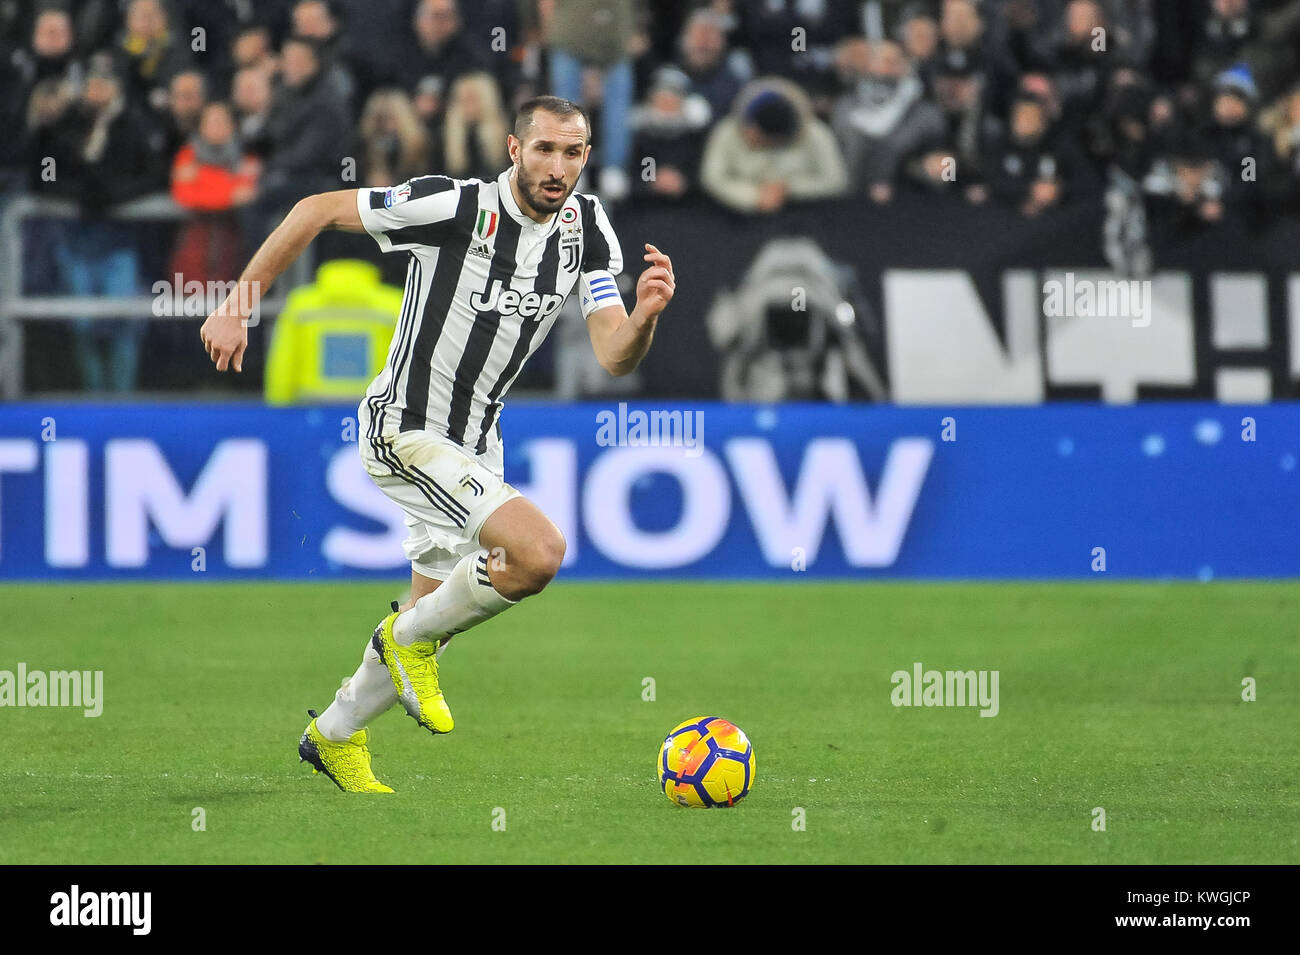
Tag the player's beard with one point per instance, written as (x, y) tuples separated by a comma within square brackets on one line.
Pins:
[(531, 190)]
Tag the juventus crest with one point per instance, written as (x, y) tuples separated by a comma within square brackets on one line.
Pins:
[(569, 251)]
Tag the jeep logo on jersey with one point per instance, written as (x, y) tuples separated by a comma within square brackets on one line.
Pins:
[(506, 301)]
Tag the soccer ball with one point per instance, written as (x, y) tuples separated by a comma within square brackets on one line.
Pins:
[(706, 762)]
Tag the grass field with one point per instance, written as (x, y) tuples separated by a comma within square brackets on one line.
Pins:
[(1120, 696)]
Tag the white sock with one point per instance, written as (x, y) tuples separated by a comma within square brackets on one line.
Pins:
[(362, 697), (466, 598)]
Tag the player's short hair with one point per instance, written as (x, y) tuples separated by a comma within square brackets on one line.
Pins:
[(548, 104)]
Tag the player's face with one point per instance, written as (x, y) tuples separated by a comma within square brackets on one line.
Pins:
[(549, 160)]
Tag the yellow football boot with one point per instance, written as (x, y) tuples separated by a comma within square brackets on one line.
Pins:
[(414, 671), (347, 763)]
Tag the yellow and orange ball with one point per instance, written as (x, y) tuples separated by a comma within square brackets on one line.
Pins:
[(706, 762)]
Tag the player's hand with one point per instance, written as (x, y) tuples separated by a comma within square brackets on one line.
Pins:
[(225, 336), (655, 287)]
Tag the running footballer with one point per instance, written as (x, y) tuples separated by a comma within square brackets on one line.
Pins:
[(490, 264)]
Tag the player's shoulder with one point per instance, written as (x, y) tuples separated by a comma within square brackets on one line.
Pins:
[(587, 206), (424, 187), (587, 199)]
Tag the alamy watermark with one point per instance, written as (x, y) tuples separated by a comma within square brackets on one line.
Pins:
[(129, 909), (83, 688), (1098, 298), (194, 299), (652, 429), (923, 687)]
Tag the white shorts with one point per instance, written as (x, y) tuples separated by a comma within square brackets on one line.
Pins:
[(446, 493)]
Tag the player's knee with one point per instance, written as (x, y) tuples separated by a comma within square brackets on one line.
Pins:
[(540, 561)]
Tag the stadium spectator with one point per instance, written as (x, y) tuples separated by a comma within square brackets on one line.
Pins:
[(956, 157), (961, 35), (150, 53), (211, 31), (474, 132), (1185, 187), (1029, 167), (95, 23), (212, 175), (1235, 142), (669, 128), (715, 74), (1081, 59), (213, 172), (591, 43), (98, 141), (318, 21), (965, 46), (28, 156), (1022, 31), (1040, 85), (395, 141), (1237, 32), (50, 55), (1124, 148), (918, 33), (431, 106), (1126, 139), (49, 60), (481, 18), (187, 95), (883, 118), (796, 40), (771, 150), (308, 130), (100, 148), (438, 49), (253, 48), (1282, 122), (251, 93), (494, 28)]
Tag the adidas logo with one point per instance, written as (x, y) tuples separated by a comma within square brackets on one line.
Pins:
[(481, 250)]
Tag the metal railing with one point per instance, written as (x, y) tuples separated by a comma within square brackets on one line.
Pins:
[(17, 308)]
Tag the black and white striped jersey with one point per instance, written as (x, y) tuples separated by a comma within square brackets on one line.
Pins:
[(483, 288)]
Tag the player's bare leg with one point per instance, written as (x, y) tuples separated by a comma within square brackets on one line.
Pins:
[(531, 545), (534, 562), (420, 585), (522, 551)]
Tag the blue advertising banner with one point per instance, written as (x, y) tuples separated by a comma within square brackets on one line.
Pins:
[(1176, 490)]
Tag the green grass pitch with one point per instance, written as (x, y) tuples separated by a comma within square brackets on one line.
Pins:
[(1124, 696)]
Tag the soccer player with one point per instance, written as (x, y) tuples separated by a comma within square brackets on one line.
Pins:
[(490, 264)]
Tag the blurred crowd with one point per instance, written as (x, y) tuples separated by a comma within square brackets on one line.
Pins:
[(1178, 113)]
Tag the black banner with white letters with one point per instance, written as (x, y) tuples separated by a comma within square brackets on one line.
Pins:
[(968, 306)]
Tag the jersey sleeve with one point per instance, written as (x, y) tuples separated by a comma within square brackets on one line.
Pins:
[(416, 212), (602, 259)]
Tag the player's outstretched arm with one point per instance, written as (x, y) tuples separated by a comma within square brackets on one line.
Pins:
[(225, 333), (621, 340)]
